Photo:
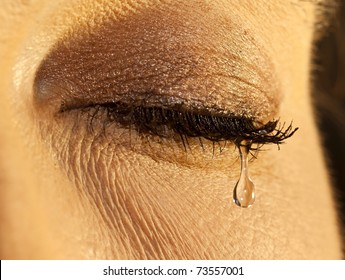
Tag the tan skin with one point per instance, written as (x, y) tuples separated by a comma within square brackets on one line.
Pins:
[(70, 193)]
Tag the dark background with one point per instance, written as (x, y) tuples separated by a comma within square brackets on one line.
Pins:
[(329, 100)]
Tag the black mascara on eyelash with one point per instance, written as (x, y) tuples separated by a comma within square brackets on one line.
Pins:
[(164, 122)]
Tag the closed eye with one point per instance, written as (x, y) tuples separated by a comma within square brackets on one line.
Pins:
[(170, 61), (171, 119)]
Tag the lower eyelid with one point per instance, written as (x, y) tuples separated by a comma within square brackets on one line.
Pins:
[(90, 125)]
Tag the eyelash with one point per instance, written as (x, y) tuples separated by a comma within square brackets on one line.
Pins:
[(166, 122)]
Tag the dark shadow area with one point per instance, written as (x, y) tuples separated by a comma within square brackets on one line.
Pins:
[(329, 100)]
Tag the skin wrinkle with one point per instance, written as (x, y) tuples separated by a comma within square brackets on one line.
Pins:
[(130, 211), (153, 248), (137, 221), (173, 233), (99, 202)]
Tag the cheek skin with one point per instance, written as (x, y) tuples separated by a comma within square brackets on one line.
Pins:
[(146, 207), (83, 199)]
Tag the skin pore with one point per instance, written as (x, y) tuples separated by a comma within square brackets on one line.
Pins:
[(75, 184)]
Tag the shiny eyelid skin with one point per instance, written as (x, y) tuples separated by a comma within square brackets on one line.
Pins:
[(232, 72)]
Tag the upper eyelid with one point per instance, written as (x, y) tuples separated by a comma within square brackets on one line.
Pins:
[(98, 66)]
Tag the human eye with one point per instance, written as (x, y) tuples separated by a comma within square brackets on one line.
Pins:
[(138, 117), (161, 94), (173, 119)]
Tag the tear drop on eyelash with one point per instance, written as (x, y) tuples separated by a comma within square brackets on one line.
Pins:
[(244, 191)]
